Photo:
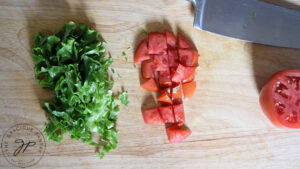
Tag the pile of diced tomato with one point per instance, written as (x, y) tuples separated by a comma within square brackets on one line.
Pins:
[(168, 67)]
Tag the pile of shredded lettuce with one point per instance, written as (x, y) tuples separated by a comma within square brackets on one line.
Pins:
[(72, 62)]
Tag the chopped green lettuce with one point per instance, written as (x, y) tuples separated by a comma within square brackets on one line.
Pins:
[(72, 62)]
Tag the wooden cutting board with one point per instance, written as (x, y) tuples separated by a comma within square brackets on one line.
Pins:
[(229, 130)]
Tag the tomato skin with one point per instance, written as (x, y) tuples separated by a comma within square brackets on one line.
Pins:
[(150, 85), (188, 90), (141, 53), (167, 114), (171, 39), (188, 57), (147, 69), (267, 101), (177, 133), (152, 116), (157, 43), (183, 43)]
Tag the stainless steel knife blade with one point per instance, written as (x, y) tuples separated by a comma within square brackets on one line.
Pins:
[(249, 20)]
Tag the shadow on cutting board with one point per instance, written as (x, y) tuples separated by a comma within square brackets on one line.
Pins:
[(267, 60)]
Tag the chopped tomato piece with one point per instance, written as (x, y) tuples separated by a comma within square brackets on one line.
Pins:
[(165, 98), (179, 113), (141, 53), (183, 43), (157, 43), (188, 57), (176, 133), (176, 92), (147, 69), (166, 113), (152, 116), (171, 39), (182, 72), (150, 85), (173, 57), (164, 79), (189, 78), (188, 90), (160, 63), (178, 75)]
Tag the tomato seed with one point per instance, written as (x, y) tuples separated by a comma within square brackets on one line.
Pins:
[(279, 108), (294, 81), (280, 89), (292, 117)]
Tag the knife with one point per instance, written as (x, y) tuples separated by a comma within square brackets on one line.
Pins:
[(249, 20)]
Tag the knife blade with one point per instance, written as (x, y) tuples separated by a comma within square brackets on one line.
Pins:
[(249, 20)]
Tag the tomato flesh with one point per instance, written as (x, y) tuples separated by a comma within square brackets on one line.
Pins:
[(160, 63), (171, 39), (177, 133), (165, 98), (176, 92), (152, 116), (141, 54), (183, 43), (188, 57), (150, 85), (164, 79), (167, 114), (189, 78), (173, 57), (280, 99), (157, 43), (182, 73), (179, 113)]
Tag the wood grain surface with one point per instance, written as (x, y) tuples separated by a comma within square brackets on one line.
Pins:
[(229, 130)]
